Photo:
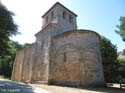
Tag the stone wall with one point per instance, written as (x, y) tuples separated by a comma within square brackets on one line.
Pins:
[(17, 67), (40, 70), (72, 58), (75, 59), (26, 64), (29, 65), (22, 69)]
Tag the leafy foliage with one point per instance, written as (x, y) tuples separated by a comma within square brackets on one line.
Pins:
[(108, 51), (113, 67), (109, 55), (119, 70), (121, 28), (7, 25), (8, 48), (6, 63), (7, 28)]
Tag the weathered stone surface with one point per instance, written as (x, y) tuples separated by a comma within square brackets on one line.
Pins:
[(75, 56), (60, 54), (17, 67)]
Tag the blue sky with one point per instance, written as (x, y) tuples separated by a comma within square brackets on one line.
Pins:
[(101, 16)]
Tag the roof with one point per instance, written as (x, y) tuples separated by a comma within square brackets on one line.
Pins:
[(78, 31), (57, 3)]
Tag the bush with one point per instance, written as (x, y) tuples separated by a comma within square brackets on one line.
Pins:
[(119, 70)]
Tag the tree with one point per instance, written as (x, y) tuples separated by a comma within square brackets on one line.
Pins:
[(119, 70), (109, 56), (6, 64), (7, 28), (121, 28)]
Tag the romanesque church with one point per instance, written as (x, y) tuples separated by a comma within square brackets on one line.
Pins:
[(61, 54)]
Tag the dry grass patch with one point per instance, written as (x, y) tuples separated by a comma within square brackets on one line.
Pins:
[(62, 89)]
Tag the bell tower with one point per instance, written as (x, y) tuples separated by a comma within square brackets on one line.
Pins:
[(60, 17)]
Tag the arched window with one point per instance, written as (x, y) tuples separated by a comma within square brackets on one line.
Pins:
[(52, 14), (70, 18), (42, 44), (64, 15), (64, 57), (46, 19)]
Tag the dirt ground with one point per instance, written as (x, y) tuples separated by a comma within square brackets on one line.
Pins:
[(59, 89), (25, 88)]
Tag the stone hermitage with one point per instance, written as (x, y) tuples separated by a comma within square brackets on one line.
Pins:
[(61, 54)]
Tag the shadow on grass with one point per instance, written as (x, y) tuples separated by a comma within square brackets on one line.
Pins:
[(14, 87)]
